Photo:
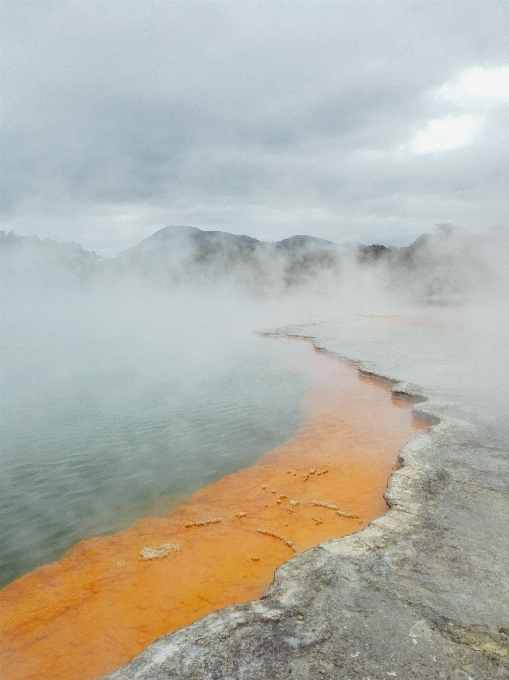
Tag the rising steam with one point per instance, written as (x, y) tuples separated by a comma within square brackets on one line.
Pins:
[(170, 320)]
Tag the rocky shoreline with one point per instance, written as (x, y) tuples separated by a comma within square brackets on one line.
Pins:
[(422, 592)]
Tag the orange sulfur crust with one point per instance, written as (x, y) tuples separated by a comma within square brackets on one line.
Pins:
[(101, 605)]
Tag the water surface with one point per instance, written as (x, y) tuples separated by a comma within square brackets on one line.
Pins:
[(90, 451)]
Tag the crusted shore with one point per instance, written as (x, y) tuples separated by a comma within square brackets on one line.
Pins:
[(422, 592)]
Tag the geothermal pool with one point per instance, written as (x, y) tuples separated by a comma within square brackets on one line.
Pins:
[(91, 451), (111, 596)]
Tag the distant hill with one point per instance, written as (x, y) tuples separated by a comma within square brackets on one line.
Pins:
[(187, 253), (32, 257), (448, 262), (295, 243)]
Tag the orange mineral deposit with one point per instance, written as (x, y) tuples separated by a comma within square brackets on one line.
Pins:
[(108, 598)]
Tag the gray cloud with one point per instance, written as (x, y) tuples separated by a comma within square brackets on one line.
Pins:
[(260, 118)]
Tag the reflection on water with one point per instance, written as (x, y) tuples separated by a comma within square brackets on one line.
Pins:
[(92, 454)]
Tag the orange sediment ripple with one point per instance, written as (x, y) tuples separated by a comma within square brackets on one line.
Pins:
[(108, 598)]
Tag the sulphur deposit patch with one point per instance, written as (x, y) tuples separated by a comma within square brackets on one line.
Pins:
[(150, 553)]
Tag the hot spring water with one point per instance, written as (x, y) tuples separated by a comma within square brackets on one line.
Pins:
[(93, 451)]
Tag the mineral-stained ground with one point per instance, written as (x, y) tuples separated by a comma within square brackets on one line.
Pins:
[(110, 597), (422, 592)]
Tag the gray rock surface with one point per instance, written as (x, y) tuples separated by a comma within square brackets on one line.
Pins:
[(422, 592)]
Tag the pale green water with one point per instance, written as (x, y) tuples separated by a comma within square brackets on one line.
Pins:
[(93, 450)]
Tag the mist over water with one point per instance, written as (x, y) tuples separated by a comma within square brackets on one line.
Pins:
[(129, 383), (113, 404), (459, 356)]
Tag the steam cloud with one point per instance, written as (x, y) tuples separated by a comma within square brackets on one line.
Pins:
[(185, 302)]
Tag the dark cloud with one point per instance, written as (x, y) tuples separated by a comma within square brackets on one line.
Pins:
[(261, 118)]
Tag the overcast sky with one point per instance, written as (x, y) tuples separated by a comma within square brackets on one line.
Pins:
[(352, 121)]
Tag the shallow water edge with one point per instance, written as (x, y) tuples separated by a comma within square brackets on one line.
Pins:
[(421, 592), (326, 481)]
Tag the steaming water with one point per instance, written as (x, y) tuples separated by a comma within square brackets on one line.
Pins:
[(457, 355), (120, 397), (94, 452)]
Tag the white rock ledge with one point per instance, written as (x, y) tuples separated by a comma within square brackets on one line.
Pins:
[(422, 592)]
